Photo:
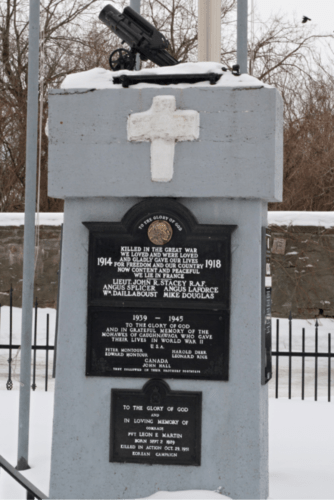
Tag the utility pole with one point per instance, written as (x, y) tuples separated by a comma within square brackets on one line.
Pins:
[(135, 5), (242, 35), (209, 30), (29, 235)]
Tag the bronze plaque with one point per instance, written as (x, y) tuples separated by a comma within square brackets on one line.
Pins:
[(158, 295), (156, 425)]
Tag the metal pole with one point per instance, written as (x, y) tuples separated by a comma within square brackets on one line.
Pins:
[(57, 312), (242, 36), (135, 5), (29, 235)]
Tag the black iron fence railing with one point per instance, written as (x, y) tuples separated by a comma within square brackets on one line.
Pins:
[(36, 346), (303, 355), (285, 376)]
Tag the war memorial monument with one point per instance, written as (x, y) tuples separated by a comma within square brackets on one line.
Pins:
[(163, 348)]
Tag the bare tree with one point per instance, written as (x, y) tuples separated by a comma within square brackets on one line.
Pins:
[(283, 53), (61, 22), (309, 152), (287, 54)]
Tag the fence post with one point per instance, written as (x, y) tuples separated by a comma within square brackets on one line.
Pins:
[(290, 350), (303, 364), (9, 385), (277, 358), (329, 367), (34, 347), (47, 353), (316, 362)]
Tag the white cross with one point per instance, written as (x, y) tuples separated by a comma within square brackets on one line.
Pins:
[(163, 125)]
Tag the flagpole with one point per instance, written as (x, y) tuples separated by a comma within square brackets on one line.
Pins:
[(29, 235), (135, 5), (242, 35)]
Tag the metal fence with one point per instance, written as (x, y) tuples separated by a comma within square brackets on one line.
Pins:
[(35, 346), (295, 358), (303, 355)]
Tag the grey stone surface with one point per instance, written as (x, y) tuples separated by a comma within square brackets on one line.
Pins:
[(226, 177), (239, 152), (234, 429), (303, 280), (47, 265)]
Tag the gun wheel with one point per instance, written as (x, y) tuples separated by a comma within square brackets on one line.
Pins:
[(122, 59)]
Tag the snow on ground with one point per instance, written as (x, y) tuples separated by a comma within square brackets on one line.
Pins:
[(16, 353), (323, 219), (300, 432), (326, 326), (41, 414), (45, 219), (99, 78), (301, 448)]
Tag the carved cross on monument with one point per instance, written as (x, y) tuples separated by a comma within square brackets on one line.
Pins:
[(163, 125)]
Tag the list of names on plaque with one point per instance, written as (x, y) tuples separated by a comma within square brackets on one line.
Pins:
[(158, 342)]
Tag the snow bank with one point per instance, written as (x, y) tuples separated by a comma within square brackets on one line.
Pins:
[(99, 78), (17, 219), (41, 415), (322, 219), (192, 494), (301, 449)]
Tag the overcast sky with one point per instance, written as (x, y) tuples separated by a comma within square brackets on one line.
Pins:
[(320, 11)]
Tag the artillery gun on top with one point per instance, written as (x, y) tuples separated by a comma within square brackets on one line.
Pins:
[(143, 38)]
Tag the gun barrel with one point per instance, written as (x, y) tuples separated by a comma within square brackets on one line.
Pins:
[(138, 33), (112, 18), (109, 16), (147, 27), (162, 58)]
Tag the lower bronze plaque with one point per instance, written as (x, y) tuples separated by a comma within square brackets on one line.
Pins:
[(156, 425)]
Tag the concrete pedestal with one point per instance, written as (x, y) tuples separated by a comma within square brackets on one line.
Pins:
[(226, 177)]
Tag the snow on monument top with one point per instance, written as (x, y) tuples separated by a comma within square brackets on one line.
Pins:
[(100, 78)]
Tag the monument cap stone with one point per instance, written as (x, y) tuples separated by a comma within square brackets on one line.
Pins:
[(236, 152)]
